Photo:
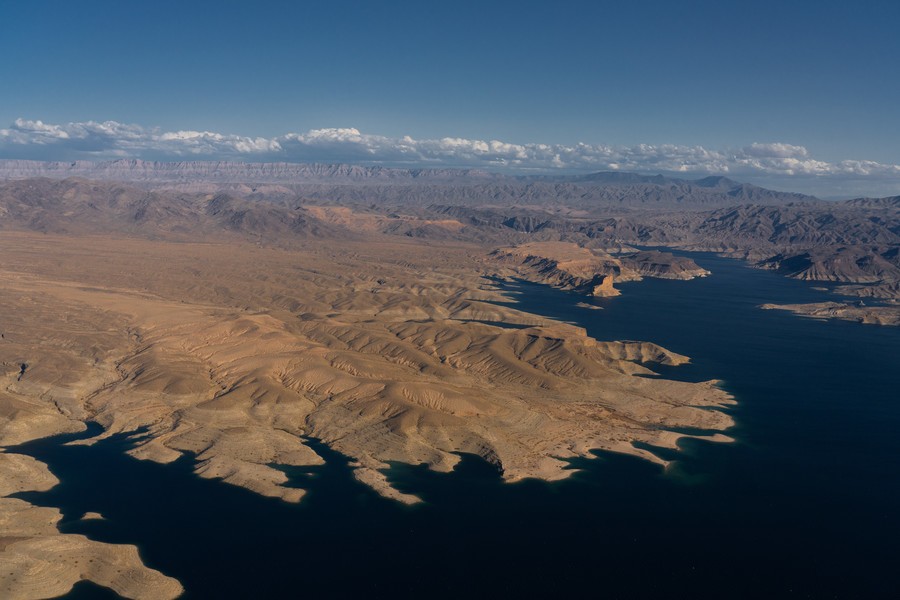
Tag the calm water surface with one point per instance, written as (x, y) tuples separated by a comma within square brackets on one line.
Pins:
[(804, 505)]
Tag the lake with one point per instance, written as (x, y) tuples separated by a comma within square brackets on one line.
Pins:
[(804, 504)]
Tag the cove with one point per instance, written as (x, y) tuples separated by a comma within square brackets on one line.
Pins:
[(803, 504)]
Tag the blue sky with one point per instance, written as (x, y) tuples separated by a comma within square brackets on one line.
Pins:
[(647, 86)]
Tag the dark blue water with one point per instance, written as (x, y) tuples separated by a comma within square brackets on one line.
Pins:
[(804, 505)]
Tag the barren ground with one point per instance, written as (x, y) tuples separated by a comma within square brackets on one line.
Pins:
[(386, 351)]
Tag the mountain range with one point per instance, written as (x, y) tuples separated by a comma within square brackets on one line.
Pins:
[(341, 183)]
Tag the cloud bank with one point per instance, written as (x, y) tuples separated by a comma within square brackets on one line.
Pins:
[(108, 140)]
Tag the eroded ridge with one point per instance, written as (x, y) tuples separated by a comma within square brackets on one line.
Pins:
[(236, 354)]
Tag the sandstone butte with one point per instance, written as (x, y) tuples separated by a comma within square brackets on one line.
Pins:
[(234, 353)]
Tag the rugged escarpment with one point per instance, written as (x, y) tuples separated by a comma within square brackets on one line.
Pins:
[(564, 265), (884, 290), (590, 271), (856, 241), (874, 315), (849, 264), (662, 265)]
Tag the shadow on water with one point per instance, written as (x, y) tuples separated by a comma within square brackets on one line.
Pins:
[(803, 504), (88, 590)]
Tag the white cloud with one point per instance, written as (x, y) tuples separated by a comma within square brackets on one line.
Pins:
[(776, 150), (109, 139)]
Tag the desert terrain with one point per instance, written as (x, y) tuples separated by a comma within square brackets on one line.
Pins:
[(233, 321), (236, 354), (873, 315)]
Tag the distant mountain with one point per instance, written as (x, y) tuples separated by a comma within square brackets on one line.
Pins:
[(227, 172), (352, 184), (617, 178), (892, 202), (851, 241), (718, 182), (78, 206), (746, 226)]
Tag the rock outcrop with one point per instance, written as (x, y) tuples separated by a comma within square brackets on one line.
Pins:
[(590, 271), (872, 315)]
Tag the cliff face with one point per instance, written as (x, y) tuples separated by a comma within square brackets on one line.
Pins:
[(563, 265), (663, 265), (591, 271), (605, 288), (851, 264), (871, 315)]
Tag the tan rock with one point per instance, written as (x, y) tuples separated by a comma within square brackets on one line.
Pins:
[(605, 288), (37, 561), (381, 350)]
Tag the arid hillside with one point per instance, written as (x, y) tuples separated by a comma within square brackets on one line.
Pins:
[(233, 325), (389, 349)]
